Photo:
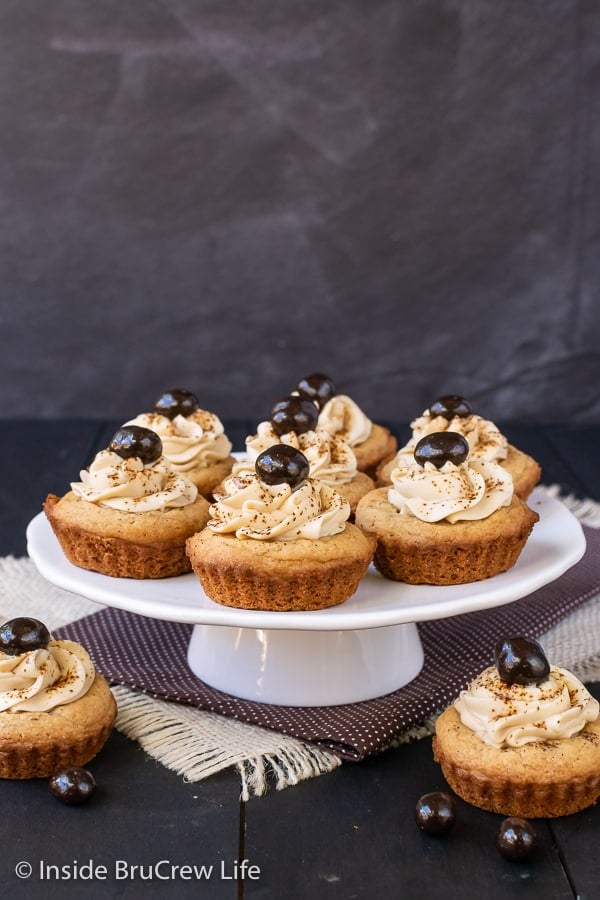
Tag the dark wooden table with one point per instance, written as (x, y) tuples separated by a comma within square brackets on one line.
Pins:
[(349, 834)]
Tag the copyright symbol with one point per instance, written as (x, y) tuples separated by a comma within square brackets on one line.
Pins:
[(23, 869)]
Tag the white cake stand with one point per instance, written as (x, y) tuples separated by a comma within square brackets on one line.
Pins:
[(367, 647)]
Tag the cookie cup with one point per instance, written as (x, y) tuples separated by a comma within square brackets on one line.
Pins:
[(207, 478), (37, 744), (353, 491), (525, 471), (300, 574), (443, 553), (542, 779), (124, 544), (379, 446)]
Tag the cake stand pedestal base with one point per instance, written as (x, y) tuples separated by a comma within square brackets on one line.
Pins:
[(305, 668)]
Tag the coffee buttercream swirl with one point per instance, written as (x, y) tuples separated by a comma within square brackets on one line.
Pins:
[(472, 490), (510, 715), (189, 442), (132, 486), (331, 459), (343, 417), (39, 680), (485, 439), (250, 509)]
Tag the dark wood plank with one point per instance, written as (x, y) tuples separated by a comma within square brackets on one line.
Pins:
[(141, 815), (578, 448), (574, 835), (351, 834), (555, 470), (37, 458), (568, 454), (348, 834)]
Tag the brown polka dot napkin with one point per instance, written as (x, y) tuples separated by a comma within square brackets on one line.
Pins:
[(150, 655)]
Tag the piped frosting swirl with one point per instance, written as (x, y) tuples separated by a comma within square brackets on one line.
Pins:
[(189, 442), (473, 489), (485, 439), (130, 485), (39, 680), (250, 509), (511, 715), (330, 458), (343, 417)]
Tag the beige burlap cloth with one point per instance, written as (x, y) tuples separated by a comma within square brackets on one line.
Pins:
[(196, 743)]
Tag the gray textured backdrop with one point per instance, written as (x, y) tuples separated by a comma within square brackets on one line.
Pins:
[(225, 196)]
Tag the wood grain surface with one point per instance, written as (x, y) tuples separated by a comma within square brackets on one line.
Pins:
[(349, 834)]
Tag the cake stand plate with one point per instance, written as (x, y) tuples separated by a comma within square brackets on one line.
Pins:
[(367, 647)]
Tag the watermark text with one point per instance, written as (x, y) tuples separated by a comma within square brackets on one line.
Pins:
[(125, 870)]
